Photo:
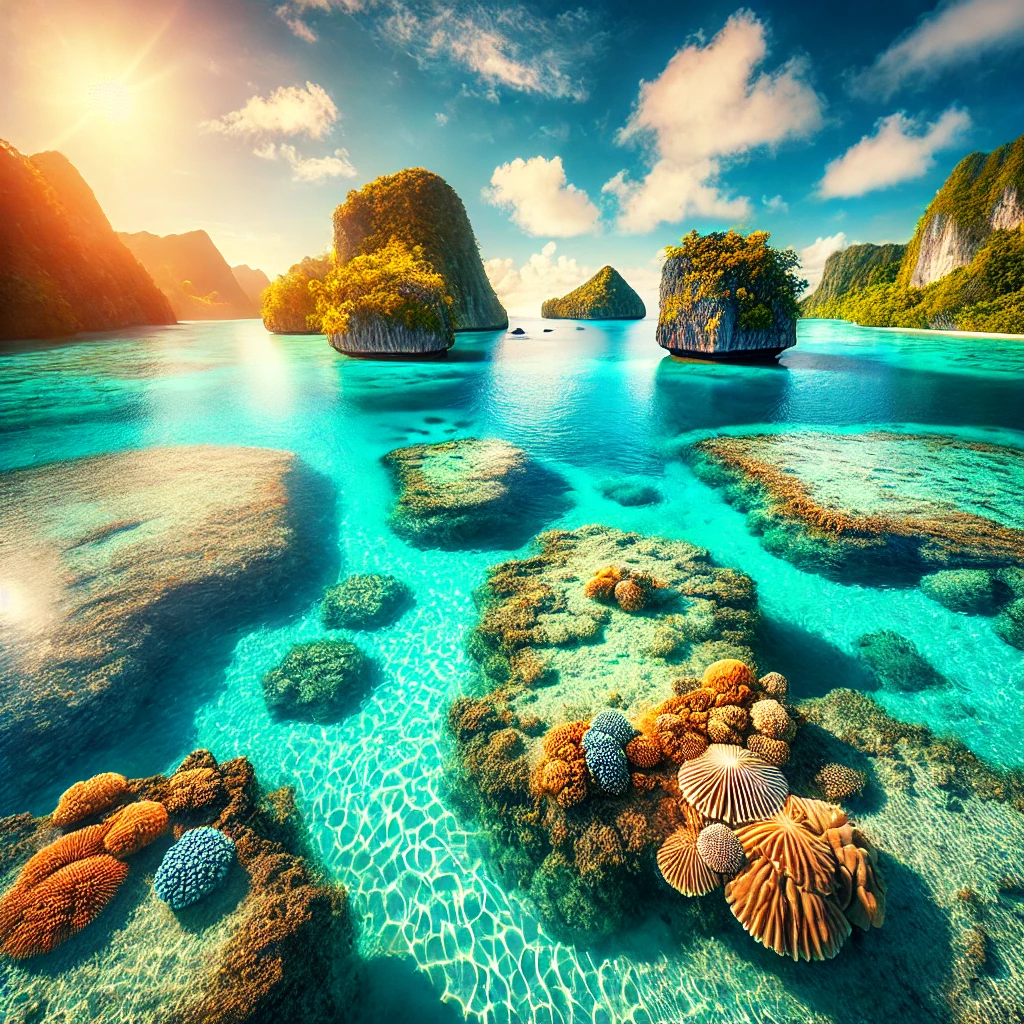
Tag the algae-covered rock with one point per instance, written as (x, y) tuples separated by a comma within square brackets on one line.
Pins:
[(606, 296), (895, 662), (364, 602), (318, 681), (874, 506), (974, 591), (470, 490), (630, 491), (272, 943), (1010, 623), (113, 564)]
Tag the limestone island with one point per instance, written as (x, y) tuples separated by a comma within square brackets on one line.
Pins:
[(728, 296), (606, 296)]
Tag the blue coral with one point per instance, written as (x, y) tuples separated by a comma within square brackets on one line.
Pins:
[(614, 724), (193, 867), (594, 739), (609, 768)]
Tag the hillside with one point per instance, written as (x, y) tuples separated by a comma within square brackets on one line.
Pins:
[(287, 306), (251, 280), (963, 269), (63, 268), (421, 209), (191, 272), (606, 296)]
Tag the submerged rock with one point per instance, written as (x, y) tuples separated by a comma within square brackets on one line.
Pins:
[(318, 681), (470, 490), (875, 506), (272, 943), (895, 662), (630, 491), (606, 296), (364, 602), (112, 564)]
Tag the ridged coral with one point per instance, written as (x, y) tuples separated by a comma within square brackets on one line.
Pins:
[(193, 867), (771, 719), (727, 674), (775, 752), (191, 790), (63, 904), (692, 745), (731, 784), (838, 782), (85, 842), (682, 867), (643, 752), (615, 724), (135, 826), (720, 848), (786, 840), (89, 797), (774, 684), (630, 596), (860, 889)]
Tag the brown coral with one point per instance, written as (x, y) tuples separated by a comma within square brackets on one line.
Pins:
[(632, 826), (727, 674), (771, 719), (775, 752), (600, 588), (643, 752), (89, 797), (731, 784), (63, 904), (554, 776), (720, 848), (630, 596), (682, 867), (861, 888), (192, 790), (598, 849), (135, 826), (692, 745), (775, 685), (838, 782), (566, 734)]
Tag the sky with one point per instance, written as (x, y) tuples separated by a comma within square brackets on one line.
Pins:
[(575, 135)]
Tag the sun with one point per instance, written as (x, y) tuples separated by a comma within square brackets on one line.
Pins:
[(110, 100)]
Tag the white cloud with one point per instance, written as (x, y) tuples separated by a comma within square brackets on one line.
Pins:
[(308, 168), (951, 34), (289, 110), (540, 199), (708, 105), (293, 13), (441, 119), (776, 204), (813, 256), (899, 150), (522, 289)]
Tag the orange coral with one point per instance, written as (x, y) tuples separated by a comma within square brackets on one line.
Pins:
[(135, 826), (775, 752), (643, 783), (728, 674), (89, 797), (630, 596), (192, 789), (600, 588), (563, 735), (692, 745), (554, 776), (643, 752), (63, 904)]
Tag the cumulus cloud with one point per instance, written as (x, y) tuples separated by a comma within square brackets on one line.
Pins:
[(308, 168), (899, 150), (289, 110), (709, 105), (540, 199), (813, 256), (953, 33), (775, 204)]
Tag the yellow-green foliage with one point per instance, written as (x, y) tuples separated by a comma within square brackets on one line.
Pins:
[(394, 284), (288, 306), (731, 266), (606, 296)]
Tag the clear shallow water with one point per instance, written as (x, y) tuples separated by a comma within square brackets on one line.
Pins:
[(592, 405)]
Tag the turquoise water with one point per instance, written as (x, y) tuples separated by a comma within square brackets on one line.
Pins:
[(593, 405)]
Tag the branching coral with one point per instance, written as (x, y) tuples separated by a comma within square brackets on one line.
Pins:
[(135, 826), (731, 784), (89, 797)]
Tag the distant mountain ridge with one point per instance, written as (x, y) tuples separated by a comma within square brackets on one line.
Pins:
[(606, 296), (62, 268), (192, 273), (963, 268), (251, 280)]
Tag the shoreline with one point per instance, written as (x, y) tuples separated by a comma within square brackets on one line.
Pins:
[(918, 330)]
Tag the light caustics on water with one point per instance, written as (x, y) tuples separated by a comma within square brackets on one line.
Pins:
[(593, 405)]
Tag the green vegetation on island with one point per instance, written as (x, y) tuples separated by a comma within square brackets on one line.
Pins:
[(63, 268), (725, 293), (963, 269), (606, 296), (288, 306)]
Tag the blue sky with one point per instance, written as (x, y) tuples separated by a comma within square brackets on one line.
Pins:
[(576, 136)]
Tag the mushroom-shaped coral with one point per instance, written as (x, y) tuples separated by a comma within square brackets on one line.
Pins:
[(193, 867), (643, 752), (615, 724), (860, 887), (89, 797), (771, 719), (630, 596), (61, 905), (838, 782), (135, 826), (732, 784), (608, 766), (682, 866), (720, 848), (727, 674)]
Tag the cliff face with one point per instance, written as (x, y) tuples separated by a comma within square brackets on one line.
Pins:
[(855, 267), (377, 339), (62, 268), (693, 324), (982, 195), (252, 281), (606, 296), (193, 275), (417, 207)]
